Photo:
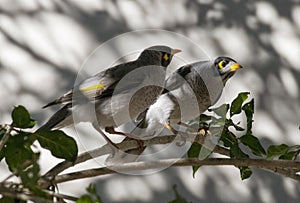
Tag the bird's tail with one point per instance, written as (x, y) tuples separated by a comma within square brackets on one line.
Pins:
[(58, 117)]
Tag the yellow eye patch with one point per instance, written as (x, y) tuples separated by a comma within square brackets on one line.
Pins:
[(166, 57), (220, 64), (92, 87)]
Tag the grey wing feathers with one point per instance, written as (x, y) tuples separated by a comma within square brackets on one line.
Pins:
[(66, 98), (176, 79), (93, 87), (141, 119), (59, 116)]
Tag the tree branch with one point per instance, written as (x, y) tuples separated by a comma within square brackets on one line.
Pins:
[(128, 145), (5, 137), (276, 166), (61, 196), (12, 193), (10, 190), (282, 167), (287, 172)]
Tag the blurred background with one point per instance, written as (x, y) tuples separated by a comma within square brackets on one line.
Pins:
[(44, 43)]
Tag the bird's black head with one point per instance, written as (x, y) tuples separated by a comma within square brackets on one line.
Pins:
[(158, 55), (226, 66)]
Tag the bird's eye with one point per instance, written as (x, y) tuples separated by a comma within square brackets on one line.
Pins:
[(222, 64), (166, 57)]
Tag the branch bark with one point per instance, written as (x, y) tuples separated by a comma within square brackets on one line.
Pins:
[(128, 145), (272, 165), (24, 194), (282, 167), (6, 135), (10, 192)]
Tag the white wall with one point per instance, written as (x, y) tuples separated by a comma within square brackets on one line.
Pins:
[(44, 43)]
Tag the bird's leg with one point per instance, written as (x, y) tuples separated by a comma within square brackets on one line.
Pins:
[(140, 143), (188, 126), (203, 129), (140, 147), (169, 127), (111, 130), (175, 132), (113, 145)]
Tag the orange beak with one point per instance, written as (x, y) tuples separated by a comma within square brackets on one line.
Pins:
[(235, 67), (175, 51)]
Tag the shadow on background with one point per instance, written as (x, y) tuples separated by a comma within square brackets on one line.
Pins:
[(44, 43)]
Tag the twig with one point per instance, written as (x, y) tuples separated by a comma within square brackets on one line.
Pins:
[(7, 178), (277, 166), (6, 135), (125, 146), (61, 196), (287, 172), (281, 167), (9, 192)]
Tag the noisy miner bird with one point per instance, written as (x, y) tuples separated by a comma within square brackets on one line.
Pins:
[(189, 91), (115, 95)]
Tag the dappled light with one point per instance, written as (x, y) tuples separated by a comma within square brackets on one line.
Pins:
[(44, 44)]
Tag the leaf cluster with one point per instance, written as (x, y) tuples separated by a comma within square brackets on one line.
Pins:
[(221, 125), (21, 154)]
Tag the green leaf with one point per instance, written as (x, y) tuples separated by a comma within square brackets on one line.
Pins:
[(245, 172), (292, 154), (17, 158), (277, 150), (178, 198), (21, 118), (194, 153), (229, 122), (91, 197), (198, 151), (11, 200), (236, 105), (228, 138), (283, 151), (221, 110), (200, 121), (204, 153), (236, 152), (85, 199), (238, 128), (31, 175), (254, 144), (204, 118), (1, 154), (248, 108), (289, 155), (58, 143), (2, 132), (17, 152), (91, 189)]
